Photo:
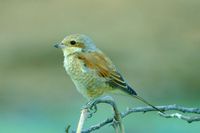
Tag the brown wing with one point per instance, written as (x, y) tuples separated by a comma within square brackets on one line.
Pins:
[(105, 68)]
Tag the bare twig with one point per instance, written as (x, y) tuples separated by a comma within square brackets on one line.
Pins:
[(83, 117), (148, 109), (189, 119)]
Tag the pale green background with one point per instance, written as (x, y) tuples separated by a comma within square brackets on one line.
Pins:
[(154, 43)]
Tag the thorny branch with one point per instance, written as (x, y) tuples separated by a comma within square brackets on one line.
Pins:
[(174, 107)]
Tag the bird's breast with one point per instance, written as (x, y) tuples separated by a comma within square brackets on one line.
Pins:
[(85, 81), (77, 72)]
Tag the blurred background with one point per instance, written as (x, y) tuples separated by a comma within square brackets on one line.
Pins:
[(155, 44)]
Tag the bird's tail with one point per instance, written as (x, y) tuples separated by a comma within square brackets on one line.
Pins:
[(144, 101)]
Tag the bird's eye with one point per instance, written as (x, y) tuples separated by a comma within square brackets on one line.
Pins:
[(72, 42)]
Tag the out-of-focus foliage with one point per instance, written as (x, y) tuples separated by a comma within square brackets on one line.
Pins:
[(155, 44)]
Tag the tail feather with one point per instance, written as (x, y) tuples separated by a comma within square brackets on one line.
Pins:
[(144, 101), (127, 89)]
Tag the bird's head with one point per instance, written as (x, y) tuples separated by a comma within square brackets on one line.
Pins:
[(76, 43)]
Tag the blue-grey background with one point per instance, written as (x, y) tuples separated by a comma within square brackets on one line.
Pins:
[(155, 44)]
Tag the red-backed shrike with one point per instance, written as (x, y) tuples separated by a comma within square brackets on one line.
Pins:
[(92, 72)]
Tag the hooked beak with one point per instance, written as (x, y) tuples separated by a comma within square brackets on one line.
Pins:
[(59, 45)]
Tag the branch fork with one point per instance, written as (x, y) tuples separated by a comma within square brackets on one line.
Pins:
[(92, 105)]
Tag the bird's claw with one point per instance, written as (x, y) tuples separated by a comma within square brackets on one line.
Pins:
[(91, 107), (88, 105), (92, 111)]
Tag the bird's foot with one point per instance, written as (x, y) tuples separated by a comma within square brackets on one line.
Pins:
[(91, 107)]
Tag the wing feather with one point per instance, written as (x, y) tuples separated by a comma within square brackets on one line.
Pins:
[(105, 69)]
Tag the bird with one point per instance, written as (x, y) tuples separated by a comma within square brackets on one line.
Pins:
[(93, 72)]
